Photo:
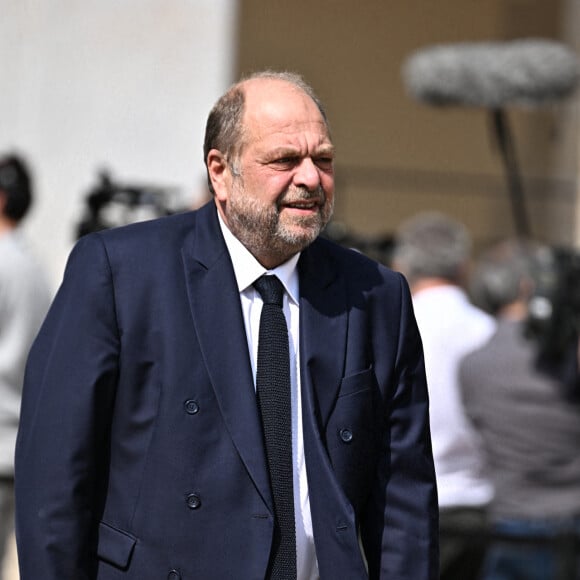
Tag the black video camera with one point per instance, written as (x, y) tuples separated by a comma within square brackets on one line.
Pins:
[(554, 308), (110, 204)]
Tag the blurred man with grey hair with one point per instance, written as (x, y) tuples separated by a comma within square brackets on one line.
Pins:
[(529, 425), (433, 252)]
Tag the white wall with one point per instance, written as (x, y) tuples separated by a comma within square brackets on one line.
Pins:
[(118, 84)]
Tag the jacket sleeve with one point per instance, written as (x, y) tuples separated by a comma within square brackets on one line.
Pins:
[(62, 443), (401, 528)]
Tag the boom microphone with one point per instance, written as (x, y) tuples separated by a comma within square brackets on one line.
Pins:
[(527, 72)]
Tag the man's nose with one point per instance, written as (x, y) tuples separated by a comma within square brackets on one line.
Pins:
[(307, 175)]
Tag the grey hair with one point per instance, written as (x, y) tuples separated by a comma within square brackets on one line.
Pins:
[(505, 273), (432, 245)]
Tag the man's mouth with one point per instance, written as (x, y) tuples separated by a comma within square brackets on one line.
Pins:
[(304, 205)]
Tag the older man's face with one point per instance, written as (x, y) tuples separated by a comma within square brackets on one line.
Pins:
[(284, 193)]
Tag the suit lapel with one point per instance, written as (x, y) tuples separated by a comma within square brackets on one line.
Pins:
[(218, 320), (217, 316), (323, 328)]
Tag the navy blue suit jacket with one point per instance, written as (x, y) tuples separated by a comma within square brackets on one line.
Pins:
[(140, 452)]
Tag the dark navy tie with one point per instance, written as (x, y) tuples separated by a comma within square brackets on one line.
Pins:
[(273, 392)]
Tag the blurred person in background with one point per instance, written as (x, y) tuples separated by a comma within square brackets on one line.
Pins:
[(522, 406), (433, 251), (24, 300)]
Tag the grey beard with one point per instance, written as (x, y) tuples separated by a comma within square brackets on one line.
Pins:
[(259, 228)]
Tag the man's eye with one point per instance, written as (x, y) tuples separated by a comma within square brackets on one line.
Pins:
[(284, 163), (324, 162)]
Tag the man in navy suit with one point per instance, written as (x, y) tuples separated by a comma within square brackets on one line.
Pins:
[(141, 453)]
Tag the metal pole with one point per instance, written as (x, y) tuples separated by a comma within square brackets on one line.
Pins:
[(515, 187)]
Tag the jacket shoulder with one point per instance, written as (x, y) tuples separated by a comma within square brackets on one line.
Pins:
[(353, 264), (169, 227)]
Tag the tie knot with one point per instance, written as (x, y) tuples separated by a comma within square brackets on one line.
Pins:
[(271, 289)]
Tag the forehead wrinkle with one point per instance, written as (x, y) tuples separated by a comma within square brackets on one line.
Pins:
[(262, 125)]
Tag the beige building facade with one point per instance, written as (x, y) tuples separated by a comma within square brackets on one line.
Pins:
[(397, 156)]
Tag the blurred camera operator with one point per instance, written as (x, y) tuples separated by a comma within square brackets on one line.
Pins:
[(529, 427)]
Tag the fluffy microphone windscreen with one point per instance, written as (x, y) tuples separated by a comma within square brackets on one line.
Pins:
[(529, 72)]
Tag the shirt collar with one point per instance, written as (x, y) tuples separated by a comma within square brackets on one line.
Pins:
[(247, 269)]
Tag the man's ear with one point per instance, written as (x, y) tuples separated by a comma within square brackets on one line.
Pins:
[(219, 173)]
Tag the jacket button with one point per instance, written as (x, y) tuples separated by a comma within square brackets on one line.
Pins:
[(174, 575), (193, 501), (191, 406), (346, 435)]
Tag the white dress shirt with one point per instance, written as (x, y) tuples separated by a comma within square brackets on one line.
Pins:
[(451, 327), (247, 270)]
